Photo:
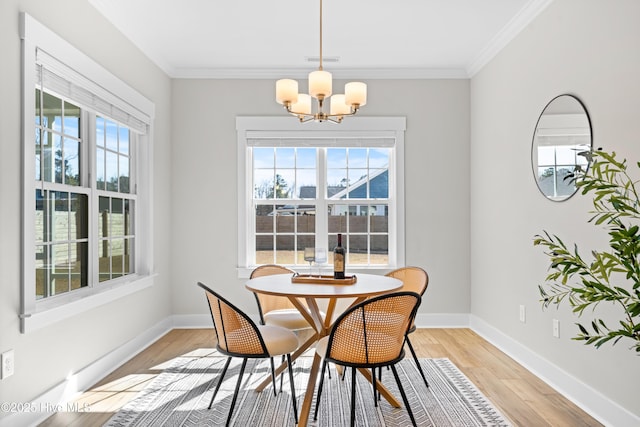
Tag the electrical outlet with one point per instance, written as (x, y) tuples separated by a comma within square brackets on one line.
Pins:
[(522, 314), (7, 364), (556, 328)]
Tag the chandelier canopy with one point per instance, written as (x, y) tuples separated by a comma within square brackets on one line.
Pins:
[(320, 88)]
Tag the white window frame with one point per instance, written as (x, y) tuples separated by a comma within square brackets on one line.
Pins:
[(288, 127), (92, 77)]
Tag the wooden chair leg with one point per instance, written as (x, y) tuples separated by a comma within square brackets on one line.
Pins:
[(404, 396), (293, 388), (224, 371), (235, 394)]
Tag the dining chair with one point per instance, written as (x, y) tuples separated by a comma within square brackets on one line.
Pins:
[(414, 279), (370, 335), (275, 310), (239, 336)]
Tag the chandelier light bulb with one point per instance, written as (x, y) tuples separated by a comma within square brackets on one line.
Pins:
[(286, 91), (338, 106), (355, 93), (320, 84)]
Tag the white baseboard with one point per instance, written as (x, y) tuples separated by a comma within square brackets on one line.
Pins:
[(57, 397), (590, 400), (608, 412)]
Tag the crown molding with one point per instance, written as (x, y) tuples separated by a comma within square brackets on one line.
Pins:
[(273, 73), (507, 34)]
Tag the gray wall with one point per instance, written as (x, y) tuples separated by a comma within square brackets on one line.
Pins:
[(205, 182), (589, 48), (45, 357)]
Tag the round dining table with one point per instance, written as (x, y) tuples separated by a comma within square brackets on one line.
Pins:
[(305, 296)]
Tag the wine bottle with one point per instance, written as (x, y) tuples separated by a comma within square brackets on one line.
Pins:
[(338, 259)]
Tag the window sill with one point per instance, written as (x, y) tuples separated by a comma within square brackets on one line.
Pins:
[(57, 309)]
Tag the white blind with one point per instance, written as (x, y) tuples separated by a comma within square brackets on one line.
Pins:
[(68, 83), (266, 141)]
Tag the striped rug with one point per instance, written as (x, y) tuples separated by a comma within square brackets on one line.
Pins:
[(179, 396)]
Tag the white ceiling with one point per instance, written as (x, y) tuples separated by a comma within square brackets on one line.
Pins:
[(272, 39)]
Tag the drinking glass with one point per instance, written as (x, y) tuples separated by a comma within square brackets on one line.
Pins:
[(321, 258), (310, 256)]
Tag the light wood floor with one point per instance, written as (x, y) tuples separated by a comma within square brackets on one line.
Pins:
[(522, 397)]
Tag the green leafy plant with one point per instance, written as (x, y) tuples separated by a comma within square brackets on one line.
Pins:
[(612, 275)]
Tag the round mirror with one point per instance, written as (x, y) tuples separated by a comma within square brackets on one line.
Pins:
[(561, 143)]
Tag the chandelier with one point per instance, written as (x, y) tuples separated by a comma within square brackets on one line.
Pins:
[(320, 88)]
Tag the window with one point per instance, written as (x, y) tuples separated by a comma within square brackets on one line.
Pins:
[(86, 181), (304, 185)]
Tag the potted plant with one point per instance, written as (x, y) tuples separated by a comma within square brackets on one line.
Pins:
[(610, 276)]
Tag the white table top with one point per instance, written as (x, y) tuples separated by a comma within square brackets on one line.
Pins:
[(366, 285)]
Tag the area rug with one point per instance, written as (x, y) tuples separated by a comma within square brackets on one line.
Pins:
[(179, 396)]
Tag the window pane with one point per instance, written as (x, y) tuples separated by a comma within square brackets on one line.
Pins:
[(79, 216), (127, 264), (264, 250), (79, 265), (57, 147), (285, 220), (42, 218), (60, 269), (357, 249), (306, 158), (42, 274), (71, 120), (358, 184), (38, 110), (117, 218), (285, 158), (103, 217), (111, 135), (52, 112), (338, 218), (336, 158), (337, 183), (112, 171), (379, 219), (285, 183), (100, 135), (60, 217), (379, 184), (71, 162), (379, 158), (285, 250), (263, 158), (123, 182), (306, 183), (47, 156), (127, 217), (117, 257), (104, 261), (264, 218), (100, 166), (357, 158), (123, 140), (263, 184), (358, 219), (379, 249), (306, 219), (38, 154)]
